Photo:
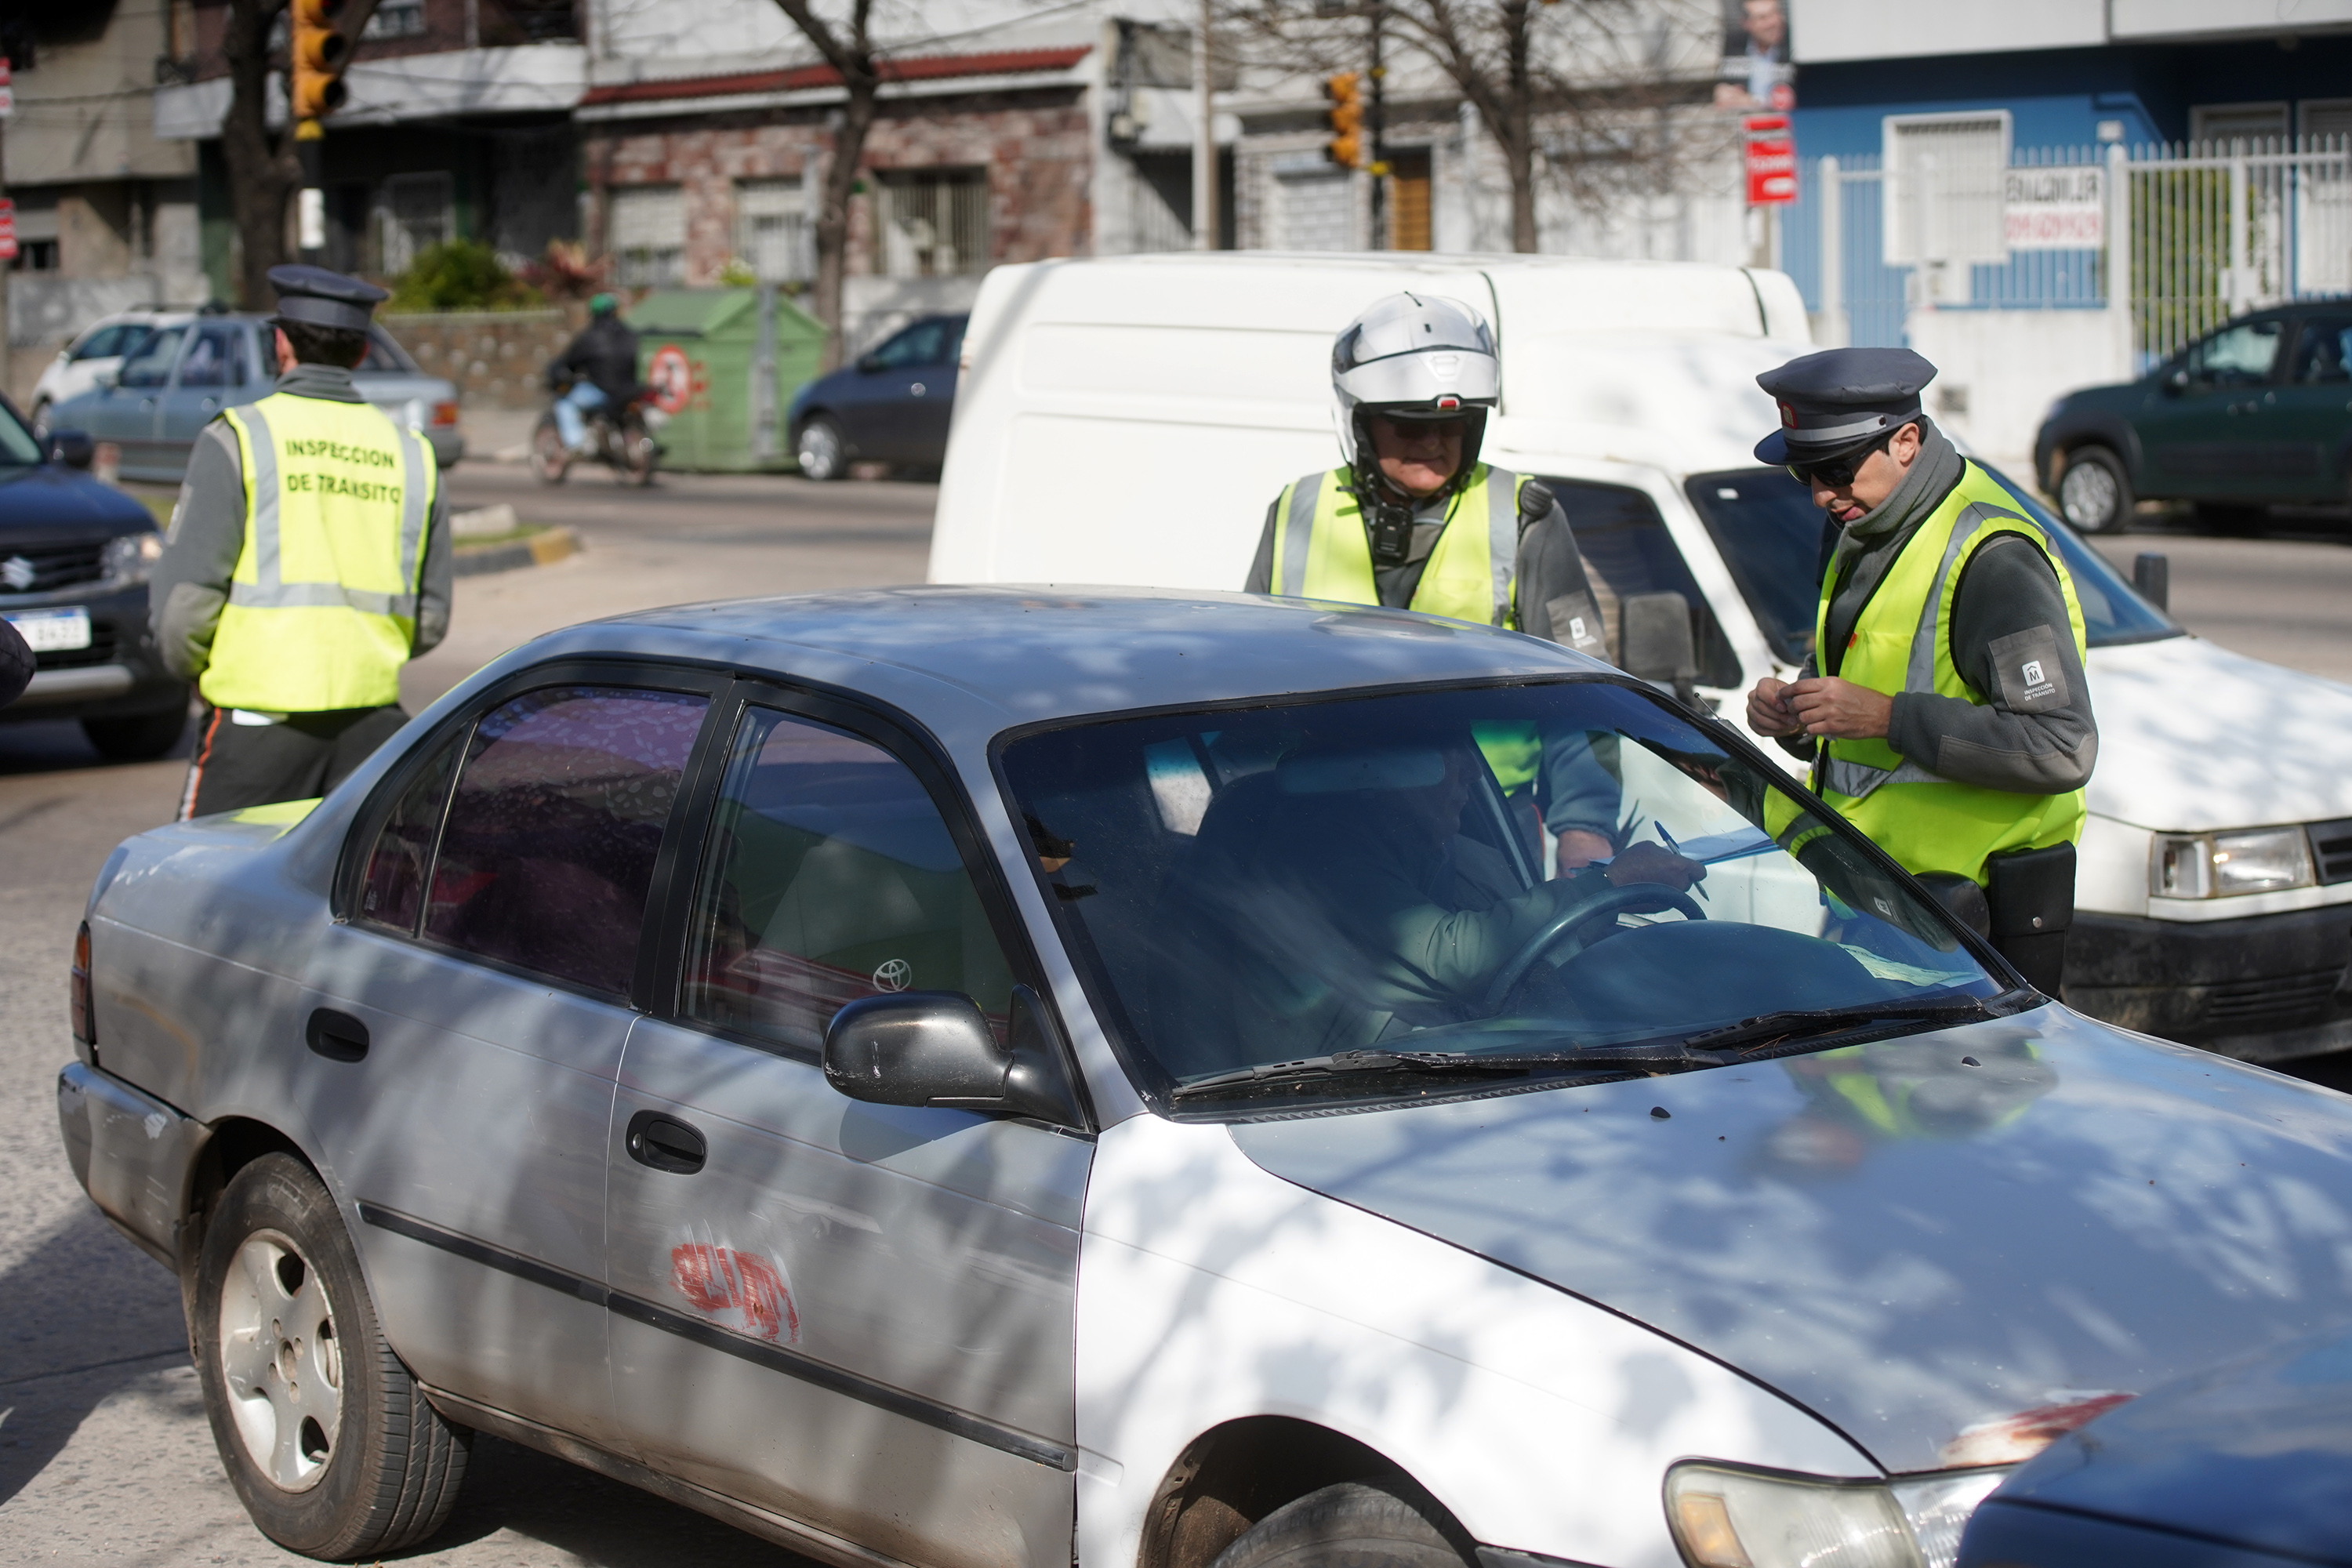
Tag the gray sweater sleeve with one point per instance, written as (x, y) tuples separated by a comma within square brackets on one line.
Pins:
[(189, 587), (2035, 733), (1550, 574), (437, 577), (1261, 573)]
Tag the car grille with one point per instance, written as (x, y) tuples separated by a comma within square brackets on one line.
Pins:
[(2283, 1002), (99, 651), (2331, 850), (46, 567)]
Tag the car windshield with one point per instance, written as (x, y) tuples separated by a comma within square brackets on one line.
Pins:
[(1337, 896), (18, 445), (385, 357), (1773, 537)]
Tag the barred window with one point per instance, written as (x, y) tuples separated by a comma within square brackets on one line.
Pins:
[(931, 223), (646, 235), (772, 230)]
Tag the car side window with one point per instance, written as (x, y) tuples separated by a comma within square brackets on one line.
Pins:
[(2242, 355), (548, 851), (218, 357), (828, 875), (401, 856), (150, 364), (1627, 550), (106, 341), (925, 343), (2324, 353)]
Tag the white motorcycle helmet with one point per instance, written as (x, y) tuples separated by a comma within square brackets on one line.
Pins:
[(1413, 356)]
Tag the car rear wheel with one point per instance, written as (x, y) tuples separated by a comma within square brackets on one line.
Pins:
[(138, 739), (2093, 492), (329, 1442), (1356, 1524), (549, 457), (821, 452)]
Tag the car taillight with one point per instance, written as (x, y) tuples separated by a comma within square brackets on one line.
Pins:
[(444, 414), (82, 1030)]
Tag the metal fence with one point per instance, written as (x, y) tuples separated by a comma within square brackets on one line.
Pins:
[(2188, 234)]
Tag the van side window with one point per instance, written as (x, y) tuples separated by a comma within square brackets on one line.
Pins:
[(1627, 550)]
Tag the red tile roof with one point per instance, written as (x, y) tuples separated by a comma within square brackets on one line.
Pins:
[(926, 68)]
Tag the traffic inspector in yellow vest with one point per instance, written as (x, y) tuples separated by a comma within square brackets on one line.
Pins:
[(1412, 519), (1943, 707), (307, 560)]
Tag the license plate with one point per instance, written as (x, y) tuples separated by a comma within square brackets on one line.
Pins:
[(52, 631)]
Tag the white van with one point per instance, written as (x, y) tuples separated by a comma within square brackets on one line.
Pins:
[(1128, 420)]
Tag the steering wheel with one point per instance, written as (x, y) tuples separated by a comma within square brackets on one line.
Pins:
[(1642, 898)]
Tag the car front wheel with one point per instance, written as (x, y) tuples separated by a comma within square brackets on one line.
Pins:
[(823, 454), (2093, 492), (1356, 1524), (329, 1442)]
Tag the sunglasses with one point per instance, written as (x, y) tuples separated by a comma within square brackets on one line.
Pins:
[(1840, 470)]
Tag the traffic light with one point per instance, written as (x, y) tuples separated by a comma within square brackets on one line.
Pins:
[(1346, 92), (318, 52)]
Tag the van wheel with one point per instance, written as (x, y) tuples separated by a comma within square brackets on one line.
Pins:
[(326, 1439), (2093, 492), (136, 740), (821, 452), (1356, 1524)]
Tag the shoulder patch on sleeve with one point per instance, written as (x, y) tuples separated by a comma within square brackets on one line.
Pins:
[(2027, 669)]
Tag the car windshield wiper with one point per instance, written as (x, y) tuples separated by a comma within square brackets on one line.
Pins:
[(1770, 1028), (1348, 1064)]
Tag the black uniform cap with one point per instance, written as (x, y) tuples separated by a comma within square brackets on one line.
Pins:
[(1841, 399), (325, 298)]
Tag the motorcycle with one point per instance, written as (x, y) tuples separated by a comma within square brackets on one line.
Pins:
[(621, 437)]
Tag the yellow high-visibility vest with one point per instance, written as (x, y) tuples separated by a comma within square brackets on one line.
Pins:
[(1903, 642), (321, 609), (1320, 550)]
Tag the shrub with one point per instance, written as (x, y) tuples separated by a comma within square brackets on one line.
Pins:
[(461, 275)]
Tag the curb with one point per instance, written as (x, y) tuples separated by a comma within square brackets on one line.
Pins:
[(542, 550)]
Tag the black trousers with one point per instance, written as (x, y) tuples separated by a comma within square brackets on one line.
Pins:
[(237, 765)]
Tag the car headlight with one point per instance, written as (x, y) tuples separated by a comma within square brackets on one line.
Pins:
[(132, 557), (2221, 865), (1728, 1518)]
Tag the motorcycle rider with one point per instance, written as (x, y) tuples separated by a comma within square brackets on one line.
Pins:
[(602, 365)]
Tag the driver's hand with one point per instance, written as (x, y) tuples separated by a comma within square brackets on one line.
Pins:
[(1654, 863)]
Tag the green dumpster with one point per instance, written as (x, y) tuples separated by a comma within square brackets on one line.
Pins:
[(724, 364)]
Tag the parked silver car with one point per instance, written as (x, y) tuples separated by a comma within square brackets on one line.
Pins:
[(1004, 1078), (173, 381)]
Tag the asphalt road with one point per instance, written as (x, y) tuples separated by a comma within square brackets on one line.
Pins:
[(105, 1457)]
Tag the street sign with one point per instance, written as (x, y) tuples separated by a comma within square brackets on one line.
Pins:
[(7, 96), (7, 229), (2060, 208), (1772, 161)]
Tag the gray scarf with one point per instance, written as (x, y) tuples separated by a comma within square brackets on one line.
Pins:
[(330, 381), (1871, 542)]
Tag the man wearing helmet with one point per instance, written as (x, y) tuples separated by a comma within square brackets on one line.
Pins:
[(1413, 520), (602, 365)]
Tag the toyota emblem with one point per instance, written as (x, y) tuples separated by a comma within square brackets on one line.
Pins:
[(896, 975)]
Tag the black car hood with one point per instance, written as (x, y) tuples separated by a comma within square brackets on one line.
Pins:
[(1905, 1245), (63, 503)]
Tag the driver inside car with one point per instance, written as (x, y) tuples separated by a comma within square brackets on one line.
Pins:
[(1344, 897)]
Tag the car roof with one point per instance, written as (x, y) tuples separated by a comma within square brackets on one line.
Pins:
[(967, 662)]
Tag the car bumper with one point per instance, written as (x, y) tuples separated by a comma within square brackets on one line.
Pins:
[(2262, 988), (132, 1153), (121, 675)]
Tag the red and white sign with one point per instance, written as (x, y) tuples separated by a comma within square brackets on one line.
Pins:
[(8, 93), (2055, 208), (671, 376), (7, 229), (1772, 161)]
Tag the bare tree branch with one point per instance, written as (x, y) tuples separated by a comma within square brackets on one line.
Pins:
[(861, 79)]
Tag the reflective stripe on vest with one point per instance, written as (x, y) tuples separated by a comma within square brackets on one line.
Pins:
[(1902, 643), (321, 609), (1321, 550)]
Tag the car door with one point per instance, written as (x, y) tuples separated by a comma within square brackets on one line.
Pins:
[(2314, 413), (2201, 428), (468, 1020), (855, 1316), (932, 392), (884, 416), (126, 414), (218, 371)]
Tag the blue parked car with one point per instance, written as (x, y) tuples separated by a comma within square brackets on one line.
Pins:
[(2248, 1465), (890, 407)]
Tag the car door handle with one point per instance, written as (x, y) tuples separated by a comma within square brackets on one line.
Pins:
[(338, 1037), (145, 404), (917, 389), (209, 404), (666, 1144)]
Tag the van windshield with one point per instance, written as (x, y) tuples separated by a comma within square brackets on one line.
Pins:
[(1358, 897), (1775, 541)]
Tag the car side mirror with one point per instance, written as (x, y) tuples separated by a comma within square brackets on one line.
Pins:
[(869, 365), (1657, 642), (110, 378), (935, 1048), (73, 448)]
